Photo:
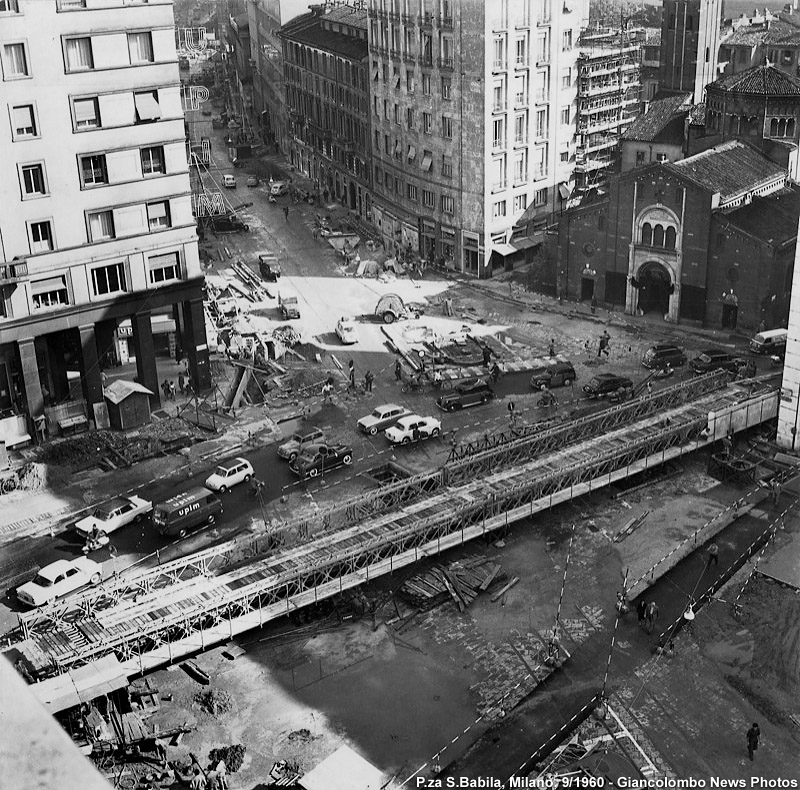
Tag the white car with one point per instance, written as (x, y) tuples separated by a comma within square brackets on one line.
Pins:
[(347, 330), (413, 429), (115, 514), (228, 474), (382, 417), (59, 578), (229, 181)]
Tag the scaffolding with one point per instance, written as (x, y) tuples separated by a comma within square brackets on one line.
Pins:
[(158, 615)]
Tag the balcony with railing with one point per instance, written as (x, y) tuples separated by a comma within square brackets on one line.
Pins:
[(446, 64), (499, 186), (521, 99), (409, 20), (540, 133), (499, 105), (520, 179), (522, 62), (445, 22), (498, 65), (539, 172), (542, 57), (498, 143), (393, 16), (426, 20), (544, 19), (13, 272), (541, 96), (426, 59), (520, 140), (409, 57)]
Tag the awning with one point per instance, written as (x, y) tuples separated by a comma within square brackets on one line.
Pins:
[(85, 110), (146, 107), (525, 243), (505, 249), (427, 161), (564, 190), (398, 148), (81, 685), (48, 286), (412, 152)]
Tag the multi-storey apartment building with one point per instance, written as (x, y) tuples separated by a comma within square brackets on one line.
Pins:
[(608, 101), (473, 120), (327, 96), (97, 222)]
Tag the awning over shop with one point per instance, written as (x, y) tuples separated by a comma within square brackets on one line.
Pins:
[(505, 249), (412, 152), (526, 243), (81, 685), (564, 190), (427, 161), (146, 107)]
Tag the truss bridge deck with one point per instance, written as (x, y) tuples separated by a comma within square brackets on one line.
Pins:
[(159, 615)]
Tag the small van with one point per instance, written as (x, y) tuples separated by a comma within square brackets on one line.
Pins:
[(552, 372), (773, 341), (184, 512)]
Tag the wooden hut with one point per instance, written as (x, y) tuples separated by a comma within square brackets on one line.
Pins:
[(128, 404)]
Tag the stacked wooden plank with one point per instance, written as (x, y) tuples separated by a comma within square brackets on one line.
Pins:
[(459, 581)]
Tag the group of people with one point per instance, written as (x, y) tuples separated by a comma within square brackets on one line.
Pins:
[(169, 389), (647, 612)]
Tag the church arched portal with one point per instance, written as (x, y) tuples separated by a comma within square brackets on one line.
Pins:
[(655, 287)]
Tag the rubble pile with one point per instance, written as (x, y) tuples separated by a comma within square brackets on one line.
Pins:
[(32, 476), (81, 450), (232, 755), (286, 335), (214, 702)]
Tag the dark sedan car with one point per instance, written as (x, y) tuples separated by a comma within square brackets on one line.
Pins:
[(470, 393), (320, 459), (714, 359), (605, 383)]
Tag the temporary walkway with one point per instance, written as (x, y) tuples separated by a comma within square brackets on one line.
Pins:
[(159, 615)]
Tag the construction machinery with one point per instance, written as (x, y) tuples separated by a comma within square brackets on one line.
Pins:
[(392, 308)]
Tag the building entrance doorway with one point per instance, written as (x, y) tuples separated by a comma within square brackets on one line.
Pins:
[(587, 289), (655, 288)]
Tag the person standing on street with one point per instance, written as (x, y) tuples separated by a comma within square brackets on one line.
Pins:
[(181, 382), (641, 611), (775, 490), (368, 379), (398, 371), (552, 347), (487, 355), (652, 616), (603, 344), (753, 734), (352, 374), (713, 555), (327, 393), (286, 212)]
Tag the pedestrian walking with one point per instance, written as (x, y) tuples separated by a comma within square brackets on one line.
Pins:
[(753, 734), (368, 379), (602, 347), (775, 490), (713, 555), (352, 374), (593, 304), (314, 232), (552, 347), (286, 212), (165, 388), (181, 382), (641, 611), (651, 616), (327, 392), (398, 371), (512, 414), (495, 373), (487, 355), (172, 390)]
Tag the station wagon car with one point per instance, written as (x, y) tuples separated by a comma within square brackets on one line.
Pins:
[(605, 383), (228, 474), (714, 359), (323, 458), (299, 441), (470, 393)]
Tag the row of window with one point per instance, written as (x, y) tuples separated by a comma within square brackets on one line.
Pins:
[(96, 112), (106, 280), (12, 6), (410, 120), (411, 191), (106, 224), (86, 53)]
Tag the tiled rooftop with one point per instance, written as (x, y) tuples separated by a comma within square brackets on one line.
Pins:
[(772, 218), (760, 80), (661, 113)]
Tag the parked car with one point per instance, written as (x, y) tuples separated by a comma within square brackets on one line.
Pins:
[(413, 428), (714, 359), (229, 181), (114, 514), (323, 458), (347, 330), (771, 341), (605, 383), (186, 511), (382, 417), (287, 305), (468, 393), (278, 188), (268, 267), (59, 578), (299, 441), (228, 474), (663, 355), (252, 181), (555, 373)]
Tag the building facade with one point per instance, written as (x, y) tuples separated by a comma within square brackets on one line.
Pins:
[(266, 52), (473, 123), (97, 226), (690, 34), (327, 96), (609, 98), (708, 240)]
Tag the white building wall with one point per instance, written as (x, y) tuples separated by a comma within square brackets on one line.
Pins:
[(789, 413), (44, 26)]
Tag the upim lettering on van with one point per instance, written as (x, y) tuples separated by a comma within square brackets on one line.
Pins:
[(187, 511)]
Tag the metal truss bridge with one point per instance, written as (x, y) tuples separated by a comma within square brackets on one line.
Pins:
[(159, 615)]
